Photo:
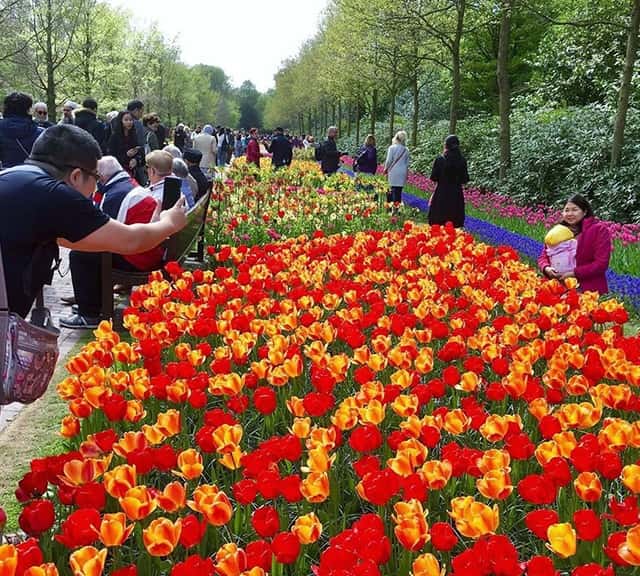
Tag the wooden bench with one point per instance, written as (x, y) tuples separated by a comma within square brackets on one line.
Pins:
[(177, 248)]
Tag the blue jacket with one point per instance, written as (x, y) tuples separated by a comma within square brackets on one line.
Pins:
[(17, 135), (114, 192)]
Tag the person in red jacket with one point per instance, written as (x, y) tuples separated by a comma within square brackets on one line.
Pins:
[(253, 148), (593, 249)]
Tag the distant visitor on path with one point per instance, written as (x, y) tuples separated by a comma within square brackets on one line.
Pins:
[(396, 166), (253, 148), (450, 173), (18, 131), (592, 249), (327, 153), (366, 161)]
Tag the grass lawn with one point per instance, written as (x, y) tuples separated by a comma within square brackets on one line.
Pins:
[(33, 434)]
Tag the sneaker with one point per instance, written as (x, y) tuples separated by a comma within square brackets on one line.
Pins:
[(79, 321)]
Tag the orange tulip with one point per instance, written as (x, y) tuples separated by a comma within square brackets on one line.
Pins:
[(233, 459), (493, 460), (562, 539), (117, 481), (69, 427), (190, 464), (495, 485), (307, 528), (48, 569), (411, 530), (426, 565), (226, 437), (130, 442), (424, 361), (494, 428), (588, 486), (88, 561), (629, 550), (319, 460), (566, 443), (161, 536), (79, 472), (373, 413), (301, 427), (315, 487), (135, 411), (114, 530), (230, 560), (169, 423), (172, 498), (474, 519), (405, 405), (437, 473), (547, 451), (8, 559), (630, 476), (153, 434), (456, 422), (138, 503), (212, 503)]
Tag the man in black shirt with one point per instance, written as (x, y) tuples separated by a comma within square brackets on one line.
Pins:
[(46, 203), (281, 150)]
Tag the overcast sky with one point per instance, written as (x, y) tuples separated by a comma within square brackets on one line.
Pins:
[(248, 39)]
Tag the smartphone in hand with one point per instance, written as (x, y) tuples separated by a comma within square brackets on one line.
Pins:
[(171, 193)]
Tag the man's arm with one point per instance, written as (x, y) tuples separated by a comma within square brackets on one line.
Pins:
[(131, 239)]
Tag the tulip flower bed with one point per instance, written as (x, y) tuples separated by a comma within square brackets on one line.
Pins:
[(396, 402), (260, 206)]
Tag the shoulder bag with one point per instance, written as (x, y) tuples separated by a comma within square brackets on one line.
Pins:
[(28, 353)]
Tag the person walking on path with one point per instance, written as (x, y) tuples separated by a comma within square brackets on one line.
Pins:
[(450, 173), (592, 249), (281, 150), (253, 148), (328, 153), (396, 166), (207, 143)]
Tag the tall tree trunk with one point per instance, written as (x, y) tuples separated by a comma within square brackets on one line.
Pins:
[(51, 81), (326, 119), (349, 111), (416, 109), (358, 120), (625, 88), (374, 107), (504, 87), (333, 114), (340, 117), (455, 62), (392, 114)]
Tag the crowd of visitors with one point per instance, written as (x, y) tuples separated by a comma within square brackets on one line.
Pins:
[(97, 185)]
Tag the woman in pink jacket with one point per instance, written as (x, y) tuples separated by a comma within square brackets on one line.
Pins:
[(593, 248)]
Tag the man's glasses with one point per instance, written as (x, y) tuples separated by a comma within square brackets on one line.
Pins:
[(41, 112), (66, 109)]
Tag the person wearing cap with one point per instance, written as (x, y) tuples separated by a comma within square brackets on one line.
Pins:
[(193, 158), (46, 203), (281, 150), (253, 148), (68, 109), (18, 131)]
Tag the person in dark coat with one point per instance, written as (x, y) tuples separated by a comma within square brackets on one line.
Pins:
[(123, 143), (180, 137), (367, 159), (192, 157), (329, 155), (87, 119), (114, 184), (41, 115), (450, 173), (18, 131), (281, 150)]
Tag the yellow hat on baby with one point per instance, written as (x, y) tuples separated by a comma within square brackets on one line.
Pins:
[(559, 233)]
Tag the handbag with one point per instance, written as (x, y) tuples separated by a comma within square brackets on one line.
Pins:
[(28, 353)]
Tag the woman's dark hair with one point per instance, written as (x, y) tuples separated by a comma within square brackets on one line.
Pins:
[(17, 104), (452, 142), (119, 129), (582, 203)]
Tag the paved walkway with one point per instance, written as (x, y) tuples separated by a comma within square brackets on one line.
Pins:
[(52, 294)]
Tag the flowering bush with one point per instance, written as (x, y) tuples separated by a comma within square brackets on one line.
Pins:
[(394, 402)]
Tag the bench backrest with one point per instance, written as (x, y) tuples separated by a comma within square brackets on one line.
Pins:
[(179, 245)]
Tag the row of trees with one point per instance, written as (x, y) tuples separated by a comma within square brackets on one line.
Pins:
[(456, 58), (58, 49)]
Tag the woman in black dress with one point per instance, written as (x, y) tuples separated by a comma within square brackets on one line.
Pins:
[(450, 173)]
